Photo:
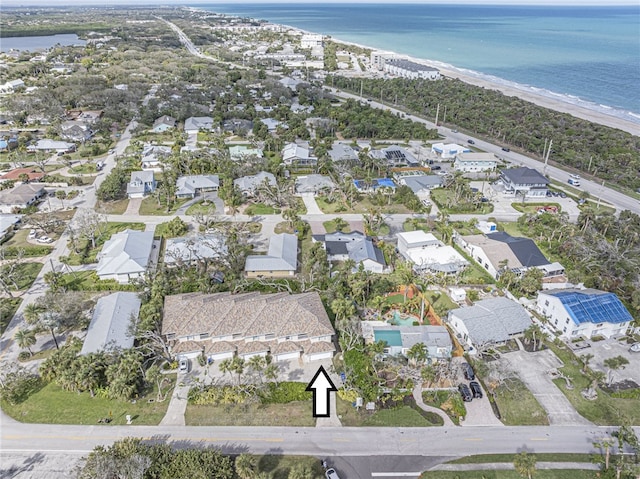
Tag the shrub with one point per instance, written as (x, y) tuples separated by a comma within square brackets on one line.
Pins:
[(23, 356), (286, 392)]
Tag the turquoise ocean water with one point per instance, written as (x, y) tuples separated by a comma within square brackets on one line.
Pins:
[(585, 55)]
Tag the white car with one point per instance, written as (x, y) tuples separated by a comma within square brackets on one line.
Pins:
[(577, 177), (331, 474), (32, 234), (44, 239), (635, 348)]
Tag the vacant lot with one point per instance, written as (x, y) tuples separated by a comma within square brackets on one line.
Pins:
[(297, 413)]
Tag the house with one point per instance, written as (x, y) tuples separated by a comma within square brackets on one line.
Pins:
[(421, 184), (238, 126), (314, 183), (75, 130), (248, 185), (125, 256), (298, 154), (243, 152), (8, 223), (497, 250), (407, 69), (341, 152), (111, 323), (291, 83), (11, 86), (52, 145), (191, 250), (193, 185), (524, 181), (141, 184), (273, 124), (394, 156), (354, 246), (153, 156), (222, 325), (7, 144), (399, 339), (427, 253), (280, 261), (488, 322), (586, 313), (20, 197), (16, 174), (164, 123), (449, 150), (88, 116), (475, 162), (195, 124)]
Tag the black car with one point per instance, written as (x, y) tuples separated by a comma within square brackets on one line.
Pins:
[(436, 167), (465, 392), (476, 390), (467, 370), (471, 142), (504, 148)]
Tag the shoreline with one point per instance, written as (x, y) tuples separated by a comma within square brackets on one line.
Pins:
[(506, 87)]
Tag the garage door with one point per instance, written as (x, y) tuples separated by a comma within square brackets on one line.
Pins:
[(221, 356), (318, 356), (287, 356)]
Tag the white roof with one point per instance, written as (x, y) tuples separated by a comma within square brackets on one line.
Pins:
[(282, 255), (437, 258), (126, 253), (417, 237), (110, 324), (47, 144), (193, 248)]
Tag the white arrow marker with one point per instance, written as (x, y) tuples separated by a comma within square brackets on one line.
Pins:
[(321, 385)]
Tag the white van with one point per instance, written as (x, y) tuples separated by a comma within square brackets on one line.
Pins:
[(574, 181)]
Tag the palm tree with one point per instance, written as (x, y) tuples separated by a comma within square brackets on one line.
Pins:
[(225, 366), (246, 466), (418, 353), (32, 312), (532, 333), (301, 471), (525, 464), (237, 366), (25, 339), (257, 364)]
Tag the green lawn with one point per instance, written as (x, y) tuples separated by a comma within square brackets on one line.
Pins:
[(150, 207), (117, 207), (330, 227), (25, 274), (519, 407), (85, 168), (8, 307), (261, 209), (404, 416), (89, 281), (87, 254), (539, 474), (297, 413), (449, 401), (53, 405), (446, 202), (362, 206), (533, 207), (605, 410), (201, 207)]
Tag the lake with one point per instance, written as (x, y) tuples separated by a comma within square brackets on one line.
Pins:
[(39, 43)]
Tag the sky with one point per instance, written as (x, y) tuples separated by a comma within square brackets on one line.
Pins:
[(13, 3)]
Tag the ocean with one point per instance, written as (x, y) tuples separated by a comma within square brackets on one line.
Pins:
[(584, 55)]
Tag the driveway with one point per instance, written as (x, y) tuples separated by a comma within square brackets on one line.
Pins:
[(211, 196), (310, 203), (533, 368), (610, 348)]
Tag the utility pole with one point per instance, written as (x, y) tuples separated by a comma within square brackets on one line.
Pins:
[(600, 195), (437, 113), (361, 85), (546, 159)]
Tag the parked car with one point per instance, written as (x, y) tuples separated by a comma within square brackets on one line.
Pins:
[(484, 199), (44, 239), (476, 390), (183, 365), (504, 148), (467, 370), (563, 194), (635, 348), (465, 392), (471, 142), (32, 234), (436, 167), (331, 474)]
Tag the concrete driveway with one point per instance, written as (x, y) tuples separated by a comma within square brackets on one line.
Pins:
[(610, 348), (311, 205), (479, 411), (533, 368)]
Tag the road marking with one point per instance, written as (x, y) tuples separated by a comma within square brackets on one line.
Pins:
[(340, 439), (539, 439), (473, 439), (395, 474), (116, 437)]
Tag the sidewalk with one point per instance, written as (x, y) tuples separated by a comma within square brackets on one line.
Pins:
[(417, 396)]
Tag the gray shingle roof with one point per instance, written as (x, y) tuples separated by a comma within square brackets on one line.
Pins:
[(493, 320), (282, 255), (187, 185), (250, 183), (525, 176), (126, 253), (110, 324)]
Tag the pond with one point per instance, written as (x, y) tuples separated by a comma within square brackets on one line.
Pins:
[(39, 42)]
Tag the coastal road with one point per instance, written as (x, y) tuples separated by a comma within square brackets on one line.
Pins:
[(18, 439), (616, 199)]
